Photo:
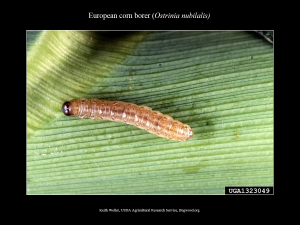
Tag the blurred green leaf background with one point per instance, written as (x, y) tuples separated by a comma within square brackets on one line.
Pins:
[(219, 83)]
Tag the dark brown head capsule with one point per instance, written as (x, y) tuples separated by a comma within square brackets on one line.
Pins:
[(66, 109)]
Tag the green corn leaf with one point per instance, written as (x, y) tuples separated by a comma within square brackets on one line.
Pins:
[(219, 83)]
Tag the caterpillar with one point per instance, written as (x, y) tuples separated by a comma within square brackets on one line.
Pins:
[(140, 116)]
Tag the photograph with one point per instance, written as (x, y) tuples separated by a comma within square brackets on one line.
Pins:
[(149, 112)]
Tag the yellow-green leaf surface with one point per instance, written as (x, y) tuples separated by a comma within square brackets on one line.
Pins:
[(219, 83)]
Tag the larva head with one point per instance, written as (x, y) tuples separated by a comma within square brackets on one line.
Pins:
[(67, 109)]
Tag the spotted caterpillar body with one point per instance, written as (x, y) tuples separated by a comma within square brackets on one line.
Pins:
[(140, 116)]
